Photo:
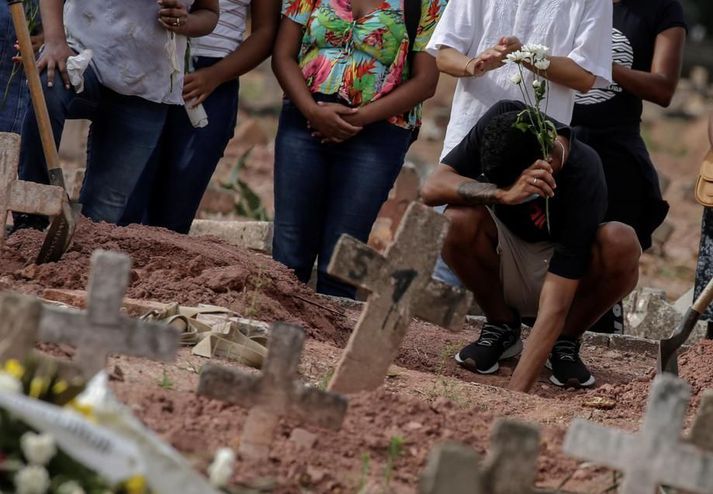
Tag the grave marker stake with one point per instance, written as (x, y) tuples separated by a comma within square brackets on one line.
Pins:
[(276, 392), (401, 287), (654, 456)]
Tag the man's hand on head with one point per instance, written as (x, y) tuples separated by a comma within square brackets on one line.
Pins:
[(536, 180)]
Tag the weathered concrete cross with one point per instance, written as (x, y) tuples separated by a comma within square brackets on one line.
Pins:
[(278, 391), (401, 287), (19, 323), (19, 196), (509, 468), (702, 430), (102, 329), (656, 455)]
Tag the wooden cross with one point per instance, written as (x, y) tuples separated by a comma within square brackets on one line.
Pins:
[(19, 322), (656, 455), (276, 392), (401, 287), (19, 196), (102, 329), (509, 468), (702, 430)]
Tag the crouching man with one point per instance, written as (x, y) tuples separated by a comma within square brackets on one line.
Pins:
[(527, 238)]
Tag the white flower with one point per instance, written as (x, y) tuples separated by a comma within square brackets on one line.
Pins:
[(38, 449), (516, 79), (9, 384), (32, 480), (70, 487), (536, 84), (543, 64), (538, 52), (221, 470), (517, 57)]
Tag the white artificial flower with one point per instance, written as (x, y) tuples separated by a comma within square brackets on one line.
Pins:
[(543, 64), (32, 480), (70, 487), (9, 384), (536, 84), (516, 79), (38, 449), (538, 52), (221, 470)]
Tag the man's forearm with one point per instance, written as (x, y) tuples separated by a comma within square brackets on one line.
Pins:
[(52, 14), (452, 62), (566, 72), (478, 194)]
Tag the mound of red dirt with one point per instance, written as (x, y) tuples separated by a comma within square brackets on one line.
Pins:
[(168, 267)]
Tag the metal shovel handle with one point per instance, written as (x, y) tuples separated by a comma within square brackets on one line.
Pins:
[(39, 104)]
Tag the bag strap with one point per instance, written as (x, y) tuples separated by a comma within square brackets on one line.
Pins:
[(412, 16)]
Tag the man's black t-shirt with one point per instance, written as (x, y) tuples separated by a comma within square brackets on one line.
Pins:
[(637, 23), (576, 210)]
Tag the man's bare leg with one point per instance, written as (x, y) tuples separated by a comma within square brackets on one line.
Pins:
[(470, 250), (612, 275)]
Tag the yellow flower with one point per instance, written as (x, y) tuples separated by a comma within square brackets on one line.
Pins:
[(85, 410), (60, 387), (135, 485), (14, 368), (38, 387)]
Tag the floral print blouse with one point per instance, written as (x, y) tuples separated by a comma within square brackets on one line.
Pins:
[(360, 60)]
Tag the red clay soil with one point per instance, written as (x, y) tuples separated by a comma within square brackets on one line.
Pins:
[(168, 267), (426, 398)]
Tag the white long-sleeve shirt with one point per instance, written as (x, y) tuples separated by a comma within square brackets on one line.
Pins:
[(578, 29)]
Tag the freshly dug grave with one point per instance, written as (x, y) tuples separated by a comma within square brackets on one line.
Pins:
[(168, 267), (426, 398)]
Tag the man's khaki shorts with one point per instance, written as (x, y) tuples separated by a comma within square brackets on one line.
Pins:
[(523, 267)]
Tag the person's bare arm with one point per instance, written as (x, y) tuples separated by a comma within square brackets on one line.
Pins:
[(326, 119), (57, 51), (420, 86), (451, 61), (658, 85), (566, 72), (200, 21), (255, 49), (555, 301), (446, 186)]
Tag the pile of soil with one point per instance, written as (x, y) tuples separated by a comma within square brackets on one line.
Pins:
[(168, 267), (426, 398)]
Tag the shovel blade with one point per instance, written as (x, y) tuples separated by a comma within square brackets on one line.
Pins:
[(669, 347), (60, 233)]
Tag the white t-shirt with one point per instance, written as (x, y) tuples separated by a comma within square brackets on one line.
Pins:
[(578, 29), (228, 34), (132, 54)]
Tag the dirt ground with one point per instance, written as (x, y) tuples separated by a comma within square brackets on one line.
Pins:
[(425, 399)]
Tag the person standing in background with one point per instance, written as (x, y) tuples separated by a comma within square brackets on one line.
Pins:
[(134, 77), (171, 189), (14, 96), (704, 271), (355, 73), (648, 42)]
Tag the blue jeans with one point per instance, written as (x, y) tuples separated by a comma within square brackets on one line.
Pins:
[(14, 96), (124, 133), (172, 186), (442, 271), (325, 190)]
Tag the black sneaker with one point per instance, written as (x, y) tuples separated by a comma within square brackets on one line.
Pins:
[(496, 342), (568, 370)]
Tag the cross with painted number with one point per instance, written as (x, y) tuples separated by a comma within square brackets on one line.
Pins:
[(401, 287), (656, 455), (509, 468), (102, 329), (276, 392), (19, 196)]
